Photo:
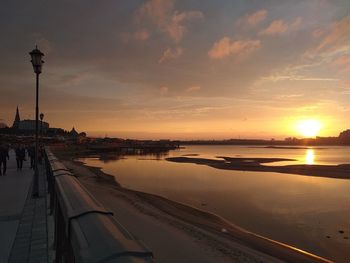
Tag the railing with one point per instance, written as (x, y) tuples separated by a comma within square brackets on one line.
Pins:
[(84, 230)]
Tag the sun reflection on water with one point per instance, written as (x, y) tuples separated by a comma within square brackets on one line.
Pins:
[(310, 156)]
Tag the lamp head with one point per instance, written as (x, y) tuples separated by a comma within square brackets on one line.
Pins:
[(37, 61)]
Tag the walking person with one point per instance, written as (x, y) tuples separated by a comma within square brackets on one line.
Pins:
[(4, 156), (31, 154), (40, 154), (20, 156)]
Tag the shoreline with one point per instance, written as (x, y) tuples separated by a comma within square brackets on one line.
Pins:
[(100, 175), (196, 218), (341, 171)]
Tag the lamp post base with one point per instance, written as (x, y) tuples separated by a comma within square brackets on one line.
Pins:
[(35, 192)]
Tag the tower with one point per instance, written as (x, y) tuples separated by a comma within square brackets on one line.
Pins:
[(17, 120)]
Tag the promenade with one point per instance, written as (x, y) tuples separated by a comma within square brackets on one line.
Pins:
[(23, 220)]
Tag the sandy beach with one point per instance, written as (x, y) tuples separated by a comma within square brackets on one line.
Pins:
[(341, 171), (180, 233)]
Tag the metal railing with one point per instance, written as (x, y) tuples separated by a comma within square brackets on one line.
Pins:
[(84, 230)]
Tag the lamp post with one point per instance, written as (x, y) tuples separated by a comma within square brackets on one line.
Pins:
[(41, 126), (37, 63), (41, 136)]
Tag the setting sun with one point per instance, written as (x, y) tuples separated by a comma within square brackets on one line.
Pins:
[(309, 128)]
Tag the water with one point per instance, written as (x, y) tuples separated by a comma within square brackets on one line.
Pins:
[(304, 211)]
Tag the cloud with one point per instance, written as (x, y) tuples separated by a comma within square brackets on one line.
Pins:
[(297, 72), (278, 27), (342, 63), (193, 88), (175, 29), (275, 28), (338, 34), (141, 34), (251, 20), (163, 90), (333, 43), (227, 46), (170, 53), (296, 24), (275, 78), (317, 33), (169, 21)]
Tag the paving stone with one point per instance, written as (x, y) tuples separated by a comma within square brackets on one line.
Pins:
[(38, 254), (24, 235), (25, 229), (30, 244), (19, 259), (38, 246), (20, 249), (22, 252), (38, 259)]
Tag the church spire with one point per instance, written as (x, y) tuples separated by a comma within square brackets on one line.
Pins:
[(17, 120)]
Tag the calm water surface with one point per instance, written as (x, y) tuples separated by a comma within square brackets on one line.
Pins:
[(303, 211)]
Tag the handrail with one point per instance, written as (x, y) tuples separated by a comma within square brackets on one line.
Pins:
[(84, 230)]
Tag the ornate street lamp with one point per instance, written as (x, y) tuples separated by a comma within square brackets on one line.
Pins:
[(37, 63)]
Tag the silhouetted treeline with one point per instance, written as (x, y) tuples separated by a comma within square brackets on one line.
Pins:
[(342, 140)]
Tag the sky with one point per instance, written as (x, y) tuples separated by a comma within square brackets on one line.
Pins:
[(195, 69)]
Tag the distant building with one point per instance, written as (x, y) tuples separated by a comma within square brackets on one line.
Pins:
[(76, 137), (73, 133), (345, 135), (3, 125), (56, 132), (27, 125), (17, 120)]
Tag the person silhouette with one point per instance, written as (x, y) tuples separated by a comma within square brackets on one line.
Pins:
[(31, 154), (20, 156), (4, 156)]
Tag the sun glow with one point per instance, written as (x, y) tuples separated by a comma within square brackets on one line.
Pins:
[(309, 128), (310, 156)]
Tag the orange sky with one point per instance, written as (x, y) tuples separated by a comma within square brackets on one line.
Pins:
[(178, 69)]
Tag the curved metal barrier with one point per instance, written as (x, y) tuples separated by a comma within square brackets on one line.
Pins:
[(84, 230)]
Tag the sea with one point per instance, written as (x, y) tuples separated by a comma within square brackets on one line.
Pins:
[(307, 212)]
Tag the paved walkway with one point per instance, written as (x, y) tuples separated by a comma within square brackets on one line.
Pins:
[(23, 220)]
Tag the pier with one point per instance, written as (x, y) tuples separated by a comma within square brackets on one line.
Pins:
[(23, 220), (64, 224)]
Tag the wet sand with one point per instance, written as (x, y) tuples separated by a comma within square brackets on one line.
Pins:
[(341, 171), (168, 227)]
